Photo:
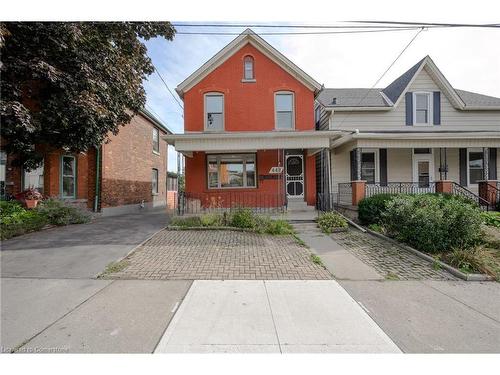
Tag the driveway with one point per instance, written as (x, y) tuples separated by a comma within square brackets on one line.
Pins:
[(50, 301)]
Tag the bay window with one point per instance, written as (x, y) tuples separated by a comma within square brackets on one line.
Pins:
[(231, 171)]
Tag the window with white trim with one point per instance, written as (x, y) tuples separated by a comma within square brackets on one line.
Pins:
[(33, 179), (475, 166), (284, 106), (154, 181), (248, 68), (231, 171), (156, 140), (422, 108), (68, 176), (214, 111)]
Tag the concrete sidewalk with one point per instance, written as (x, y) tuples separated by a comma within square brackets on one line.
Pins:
[(340, 262), (272, 316)]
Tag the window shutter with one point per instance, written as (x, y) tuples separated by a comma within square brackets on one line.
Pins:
[(436, 108), (462, 153), (352, 155), (409, 108), (493, 164), (383, 166)]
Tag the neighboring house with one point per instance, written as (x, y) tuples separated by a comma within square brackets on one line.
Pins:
[(172, 190), (250, 136), (129, 172), (410, 136)]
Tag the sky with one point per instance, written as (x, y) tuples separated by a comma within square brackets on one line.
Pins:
[(465, 56)]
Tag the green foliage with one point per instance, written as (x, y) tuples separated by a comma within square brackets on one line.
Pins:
[(491, 218), (467, 261), (330, 221), (212, 220), (370, 209), (433, 223), (243, 218), (278, 227), (190, 221), (58, 213), (376, 228), (71, 84), (317, 260)]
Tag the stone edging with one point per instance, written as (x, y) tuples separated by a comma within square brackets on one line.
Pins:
[(454, 271)]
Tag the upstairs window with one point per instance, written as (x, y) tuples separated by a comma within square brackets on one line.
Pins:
[(422, 108), (214, 111), (248, 68), (156, 140), (284, 110)]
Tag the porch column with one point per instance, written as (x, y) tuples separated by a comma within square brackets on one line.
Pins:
[(443, 164), (358, 163), (358, 186), (486, 163)]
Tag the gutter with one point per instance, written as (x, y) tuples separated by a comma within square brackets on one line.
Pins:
[(97, 178)]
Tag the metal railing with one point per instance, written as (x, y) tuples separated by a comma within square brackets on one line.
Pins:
[(200, 203), (461, 191), (399, 188), (344, 194), (326, 201)]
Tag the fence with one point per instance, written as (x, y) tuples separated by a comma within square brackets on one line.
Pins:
[(194, 203)]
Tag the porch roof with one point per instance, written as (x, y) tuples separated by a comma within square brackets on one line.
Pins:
[(419, 139), (251, 140)]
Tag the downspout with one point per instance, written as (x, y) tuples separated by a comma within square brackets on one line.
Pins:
[(97, 178)]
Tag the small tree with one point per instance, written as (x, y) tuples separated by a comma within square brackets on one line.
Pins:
[(69, 84)]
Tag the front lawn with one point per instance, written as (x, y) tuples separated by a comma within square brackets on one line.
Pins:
[(15, 220), (449, 228)]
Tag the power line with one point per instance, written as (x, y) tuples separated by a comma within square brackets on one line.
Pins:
[(299, 32), (168, 88), (383, 74), (489, 25)]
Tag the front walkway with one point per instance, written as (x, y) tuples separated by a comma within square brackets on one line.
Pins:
[(219, 255)]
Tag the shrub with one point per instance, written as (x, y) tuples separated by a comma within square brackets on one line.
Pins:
[(370, 209), (330, 221), (190, 221), (278, 227), (243, 218), (433, 223), (59, 213), (15, 220), (492, 218), (212, 220)]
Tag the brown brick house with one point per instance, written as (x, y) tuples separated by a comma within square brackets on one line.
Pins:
[(129, 172)]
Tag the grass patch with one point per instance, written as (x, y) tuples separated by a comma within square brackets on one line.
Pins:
[(391, 276), (317, 260), (242, 218), (115, 267)]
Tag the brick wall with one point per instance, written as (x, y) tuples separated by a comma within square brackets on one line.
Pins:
[(127, 162)]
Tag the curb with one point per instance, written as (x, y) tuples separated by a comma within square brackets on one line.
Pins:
[(447, 267), (178, 227)]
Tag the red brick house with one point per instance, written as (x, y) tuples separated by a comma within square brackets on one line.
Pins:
[(128, 173), (250, 136)]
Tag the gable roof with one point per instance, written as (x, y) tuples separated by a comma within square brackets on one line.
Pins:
[(247, 37), (390, 96), (153, 119)]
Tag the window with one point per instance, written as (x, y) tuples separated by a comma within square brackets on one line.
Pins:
[(475, 166), (231, 171), (421, 151), (154, 181), (3, 162), (368, 167), (171, 183), (68, 176), (214, 111), (156, 140), (284, 111), (422, 108), (248, 68), (317, 117), (33, 179)]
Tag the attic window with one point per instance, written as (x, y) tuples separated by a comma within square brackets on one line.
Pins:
[(334, 101), (248, 68)]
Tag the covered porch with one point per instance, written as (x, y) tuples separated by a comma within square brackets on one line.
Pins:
[(268, 172), (461, 163)]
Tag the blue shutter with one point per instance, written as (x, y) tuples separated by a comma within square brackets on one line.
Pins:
[(436, 108), (409, 108)]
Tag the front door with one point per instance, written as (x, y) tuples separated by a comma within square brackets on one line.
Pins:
[(423, 170), (294, 176)]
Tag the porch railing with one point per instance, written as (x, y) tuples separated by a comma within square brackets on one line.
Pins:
[(200, 203), (463, 192), (399, 188), (344, 194)]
